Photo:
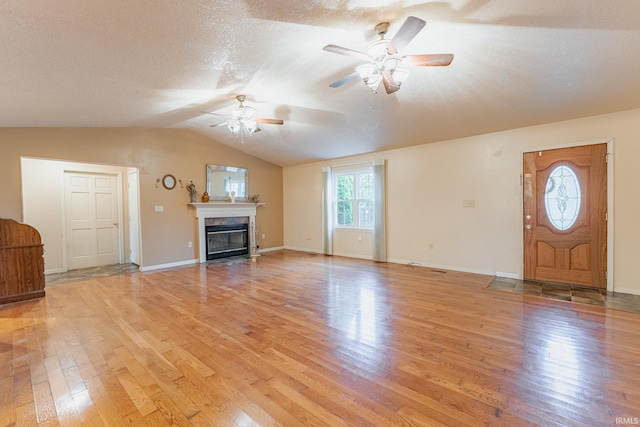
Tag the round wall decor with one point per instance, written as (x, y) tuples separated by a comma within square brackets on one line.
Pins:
[(168, 181)]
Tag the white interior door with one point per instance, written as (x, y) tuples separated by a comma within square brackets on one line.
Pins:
[(91, 205), (134, 222)]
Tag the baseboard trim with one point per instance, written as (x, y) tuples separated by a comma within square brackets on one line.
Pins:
[(307, 250), (626, 290), (276, 248), (508, 275), (348, 255), (442, 267), (168, 265)]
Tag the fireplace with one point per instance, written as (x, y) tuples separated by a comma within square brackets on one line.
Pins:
[(226, 237), (224, 213)]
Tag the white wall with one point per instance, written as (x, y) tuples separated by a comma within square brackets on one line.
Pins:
[(353, 243), (426, 186)]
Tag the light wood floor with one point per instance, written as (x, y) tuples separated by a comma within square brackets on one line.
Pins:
[(294, 339)]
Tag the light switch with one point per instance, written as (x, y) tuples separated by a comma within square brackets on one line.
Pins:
[(159, 208)]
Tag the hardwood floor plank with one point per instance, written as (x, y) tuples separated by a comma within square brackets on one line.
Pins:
[(111, 405), (173, 414), (309, 405), (74, 380), (139, 372), (246, 411), (295, 339), (7, 414), (20, 393), (171, 395), (63, 400), (44, 403), (328, 395), (201, 420), (202, 369), (87, 412), (287, 410), (25, 415), (420, 419), (207, 401), (136, 393)]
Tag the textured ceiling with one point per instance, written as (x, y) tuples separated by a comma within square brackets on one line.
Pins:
[(166, 63)]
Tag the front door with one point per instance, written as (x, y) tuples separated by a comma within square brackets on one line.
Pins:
[(565, 215), (91, 204)]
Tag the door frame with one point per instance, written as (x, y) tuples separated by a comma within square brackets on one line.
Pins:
[(610, 205), (95, 170), (137, 237)]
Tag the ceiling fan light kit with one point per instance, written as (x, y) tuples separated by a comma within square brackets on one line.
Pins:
[(241, 121), (383, 63), (383, 69)]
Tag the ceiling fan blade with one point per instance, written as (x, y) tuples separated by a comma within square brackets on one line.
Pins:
[(214, 114), (347, 52), (219, 124), (405, 34), (438, 59), (345, 79), (270, 121)]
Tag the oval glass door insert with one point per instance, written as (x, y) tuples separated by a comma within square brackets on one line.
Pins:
[(562, 197)]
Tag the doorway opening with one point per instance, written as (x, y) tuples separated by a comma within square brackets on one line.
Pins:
[(45, 184)]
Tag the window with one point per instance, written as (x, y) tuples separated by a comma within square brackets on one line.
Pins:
[(354, 199), (562, 197)]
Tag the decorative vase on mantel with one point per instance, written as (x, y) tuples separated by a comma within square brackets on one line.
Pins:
[(205, 197)]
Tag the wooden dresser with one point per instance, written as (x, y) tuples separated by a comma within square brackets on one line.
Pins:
[(21, 262)]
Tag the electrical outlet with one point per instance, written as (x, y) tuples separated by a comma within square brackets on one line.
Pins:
[(159, 208), (189, 244), (469, 203), (309, 236), (431, 245), (264, 236)]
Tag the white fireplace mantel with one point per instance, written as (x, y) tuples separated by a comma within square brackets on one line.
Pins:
[(223, 210)]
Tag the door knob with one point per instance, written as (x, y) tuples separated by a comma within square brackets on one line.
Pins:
[(528, 217), (528, 226)]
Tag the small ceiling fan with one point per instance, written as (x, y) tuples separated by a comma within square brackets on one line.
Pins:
[(241, 121), (384, 64)]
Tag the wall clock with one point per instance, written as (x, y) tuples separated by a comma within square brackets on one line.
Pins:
[(168, 181)]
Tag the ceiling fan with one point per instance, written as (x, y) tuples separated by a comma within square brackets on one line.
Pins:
[(241, 121), (383, 62)]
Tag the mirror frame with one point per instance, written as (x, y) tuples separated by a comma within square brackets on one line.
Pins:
[(218, 168)]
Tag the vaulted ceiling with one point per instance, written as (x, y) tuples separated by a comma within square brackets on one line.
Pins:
[(167, 64)]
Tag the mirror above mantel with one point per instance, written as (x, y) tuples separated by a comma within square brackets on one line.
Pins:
[(222, 180)]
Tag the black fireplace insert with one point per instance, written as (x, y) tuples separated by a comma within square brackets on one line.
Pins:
[(227, 240)]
